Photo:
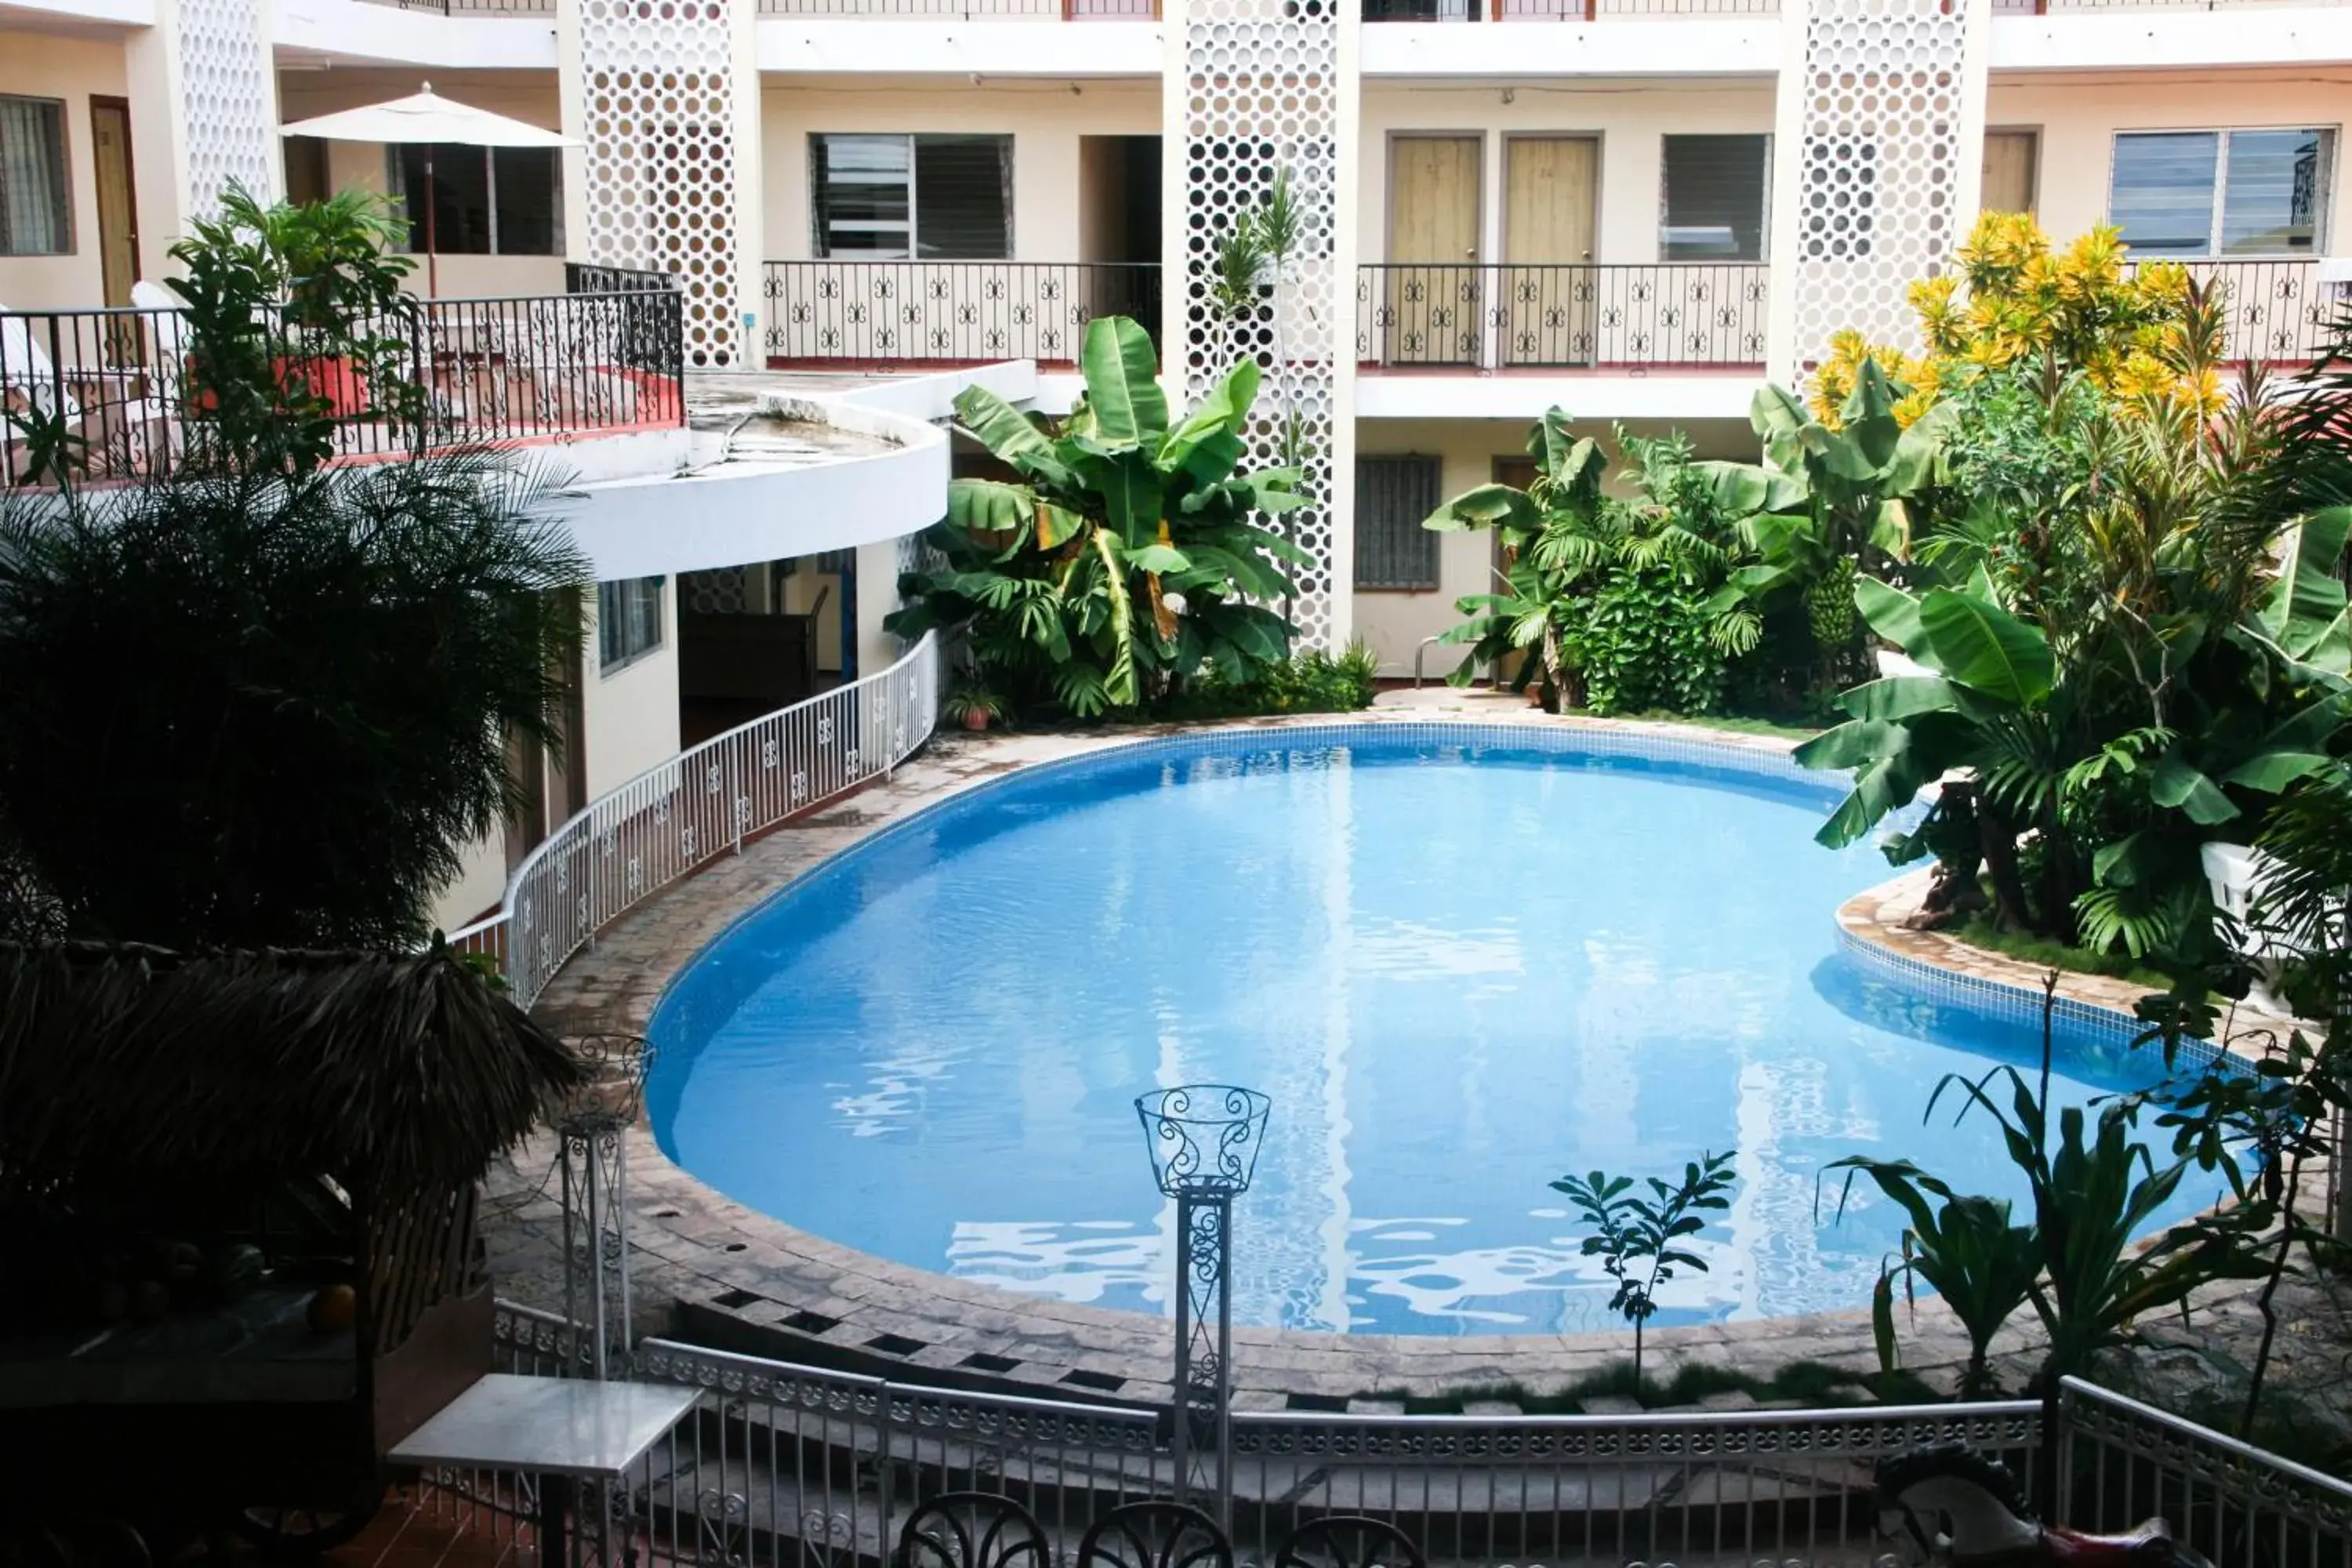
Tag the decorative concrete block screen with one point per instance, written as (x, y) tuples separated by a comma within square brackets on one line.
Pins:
[(1890, 112), (227, 108), (658, 83), (1262, 95)]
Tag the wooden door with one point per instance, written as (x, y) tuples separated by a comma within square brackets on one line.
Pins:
[(118, 223), (1548, 188), (2009, 157), (1436, 302)]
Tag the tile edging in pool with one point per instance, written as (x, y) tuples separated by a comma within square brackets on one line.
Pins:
[(759, 1274)]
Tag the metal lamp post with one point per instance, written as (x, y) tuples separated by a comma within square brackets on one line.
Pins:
[(592, 1147), (1204, 1140)]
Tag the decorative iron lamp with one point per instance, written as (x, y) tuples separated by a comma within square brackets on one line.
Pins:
[(1204, 1140)]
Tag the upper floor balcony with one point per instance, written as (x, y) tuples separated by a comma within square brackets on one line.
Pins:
[(1474, 316), (897, 315), (110, 395)]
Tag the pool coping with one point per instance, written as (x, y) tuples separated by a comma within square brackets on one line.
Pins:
[(743, 1281)]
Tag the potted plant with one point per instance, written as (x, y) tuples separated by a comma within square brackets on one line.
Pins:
[(975, 706)]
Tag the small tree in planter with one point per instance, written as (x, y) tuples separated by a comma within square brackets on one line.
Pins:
[(1638, 1239)]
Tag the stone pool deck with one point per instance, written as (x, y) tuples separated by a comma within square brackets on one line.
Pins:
[(726, 1276)]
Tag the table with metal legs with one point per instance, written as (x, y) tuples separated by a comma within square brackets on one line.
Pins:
[(563, 1430)]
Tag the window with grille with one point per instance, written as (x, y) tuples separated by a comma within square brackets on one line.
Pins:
[(487, 201), (32, 216), (887, 198), (1393, 495), (628, 620)]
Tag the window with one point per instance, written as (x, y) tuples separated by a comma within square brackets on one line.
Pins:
[(487, 201), (1393, 496), (1713, 193), (888, 197), (33, 220), (2221, 193), (628, 620)]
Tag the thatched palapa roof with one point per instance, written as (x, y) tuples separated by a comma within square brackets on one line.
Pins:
[(125, 1070)]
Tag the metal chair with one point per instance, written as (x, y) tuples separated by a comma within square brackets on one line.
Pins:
[(972, 1529), (1155, 1535), (1349, 1541)]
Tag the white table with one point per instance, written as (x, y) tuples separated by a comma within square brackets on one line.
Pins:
[(564, 1430)]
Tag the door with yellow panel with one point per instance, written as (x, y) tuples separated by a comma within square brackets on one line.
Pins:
[(1434, 303), (1549, 183), (2012, 159)]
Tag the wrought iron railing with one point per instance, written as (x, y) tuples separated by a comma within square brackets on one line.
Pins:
[(475, 7), (2051, 7), (1500, 316), (627, 844), (886, 312), (970, 10), (2279, 310), (594, 277), (119, 393), (1558, 10), (798, 1465)]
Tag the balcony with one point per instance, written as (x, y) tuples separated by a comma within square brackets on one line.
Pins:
[(2280, 312), (966, 10), (1560, 10), (1566, 316), (894, 314), (119, 383), (474, 7)]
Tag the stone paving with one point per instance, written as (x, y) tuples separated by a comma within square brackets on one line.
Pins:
[(719, 1273)]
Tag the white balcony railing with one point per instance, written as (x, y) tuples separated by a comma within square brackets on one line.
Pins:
[(675, 818)]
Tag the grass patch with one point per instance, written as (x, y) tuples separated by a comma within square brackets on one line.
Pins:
[(1980, 931), (1815, 1382)]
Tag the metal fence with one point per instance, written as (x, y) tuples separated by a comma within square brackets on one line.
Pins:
[(881, 312), (791, 1465), (1488, 315), (971, 10), (2052, 8), (2279, 310), (1557, 10), (119, 393), (2238, 1505), (680, 814)]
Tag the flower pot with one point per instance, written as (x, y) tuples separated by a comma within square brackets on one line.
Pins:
[(975, 719)]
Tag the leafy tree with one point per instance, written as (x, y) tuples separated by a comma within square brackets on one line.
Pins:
[(260, 701), (296, 324), (1612, 597), (1125, 559), (1641, 1241)]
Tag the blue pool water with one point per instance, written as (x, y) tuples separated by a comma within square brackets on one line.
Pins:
[(1460, 971)]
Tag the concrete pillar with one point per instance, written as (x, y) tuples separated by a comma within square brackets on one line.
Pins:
[(204, 85)]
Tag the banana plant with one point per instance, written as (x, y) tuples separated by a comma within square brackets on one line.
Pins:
[(1560, 540), (1993, 705), (1826, 503), (1124, 556)]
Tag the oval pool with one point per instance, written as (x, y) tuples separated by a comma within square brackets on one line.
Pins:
[(1462, 961)]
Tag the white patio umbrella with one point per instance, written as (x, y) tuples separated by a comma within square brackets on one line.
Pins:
[(427, 119)]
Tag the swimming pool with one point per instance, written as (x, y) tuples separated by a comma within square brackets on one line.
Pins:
[(1462, 961)]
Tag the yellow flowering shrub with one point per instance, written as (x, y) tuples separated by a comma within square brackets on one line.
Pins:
[(2012, 296)]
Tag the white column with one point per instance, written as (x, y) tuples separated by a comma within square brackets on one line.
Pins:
[(1257, 87), (1877, 166), (204, 87), (665, 99)]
